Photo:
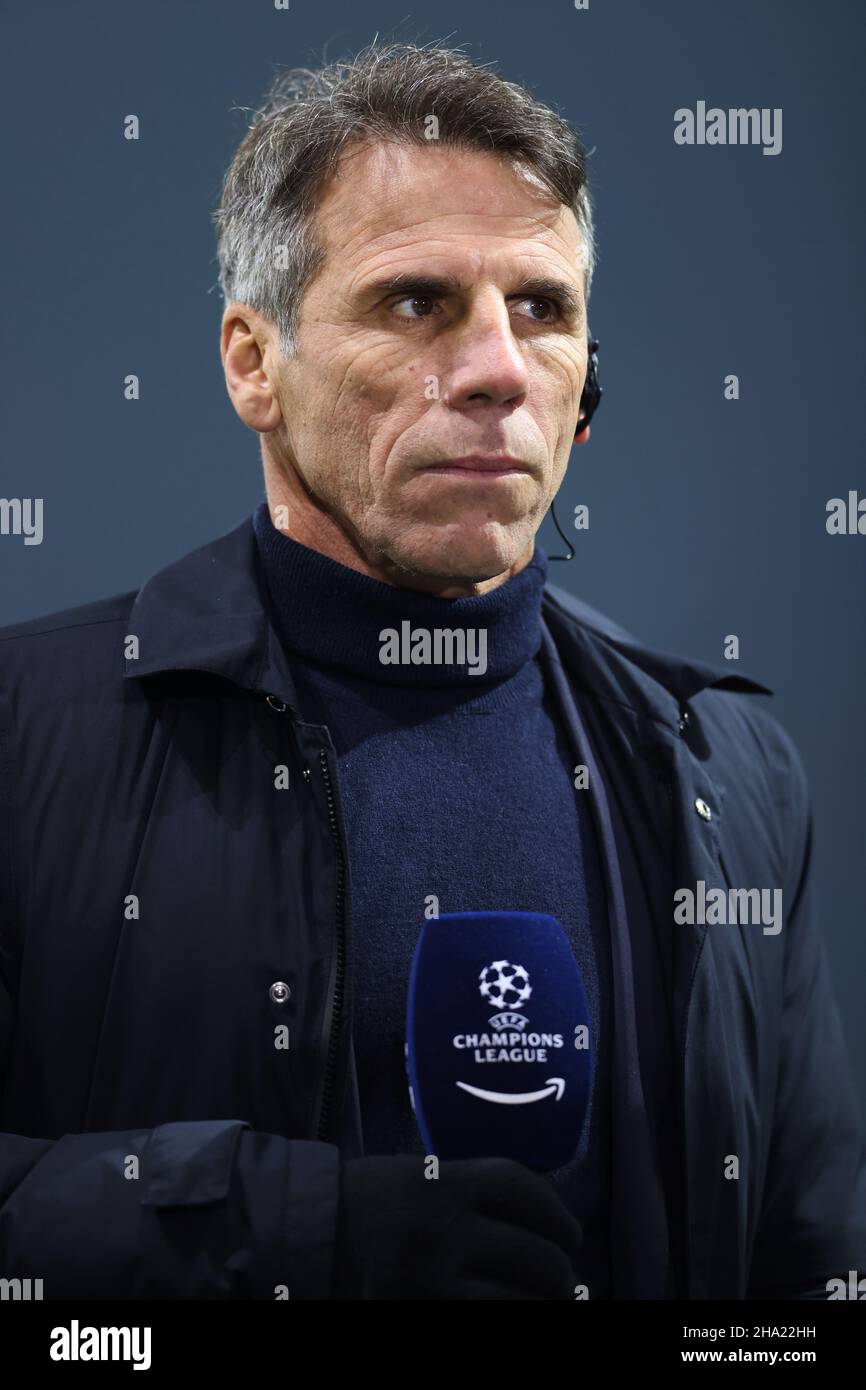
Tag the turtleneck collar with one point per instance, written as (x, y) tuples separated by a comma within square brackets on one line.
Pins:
[(330, 614)]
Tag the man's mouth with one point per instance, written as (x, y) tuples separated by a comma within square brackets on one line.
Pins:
[(480, 466)]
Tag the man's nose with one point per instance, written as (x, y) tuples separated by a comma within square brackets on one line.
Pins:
[(487, 366)]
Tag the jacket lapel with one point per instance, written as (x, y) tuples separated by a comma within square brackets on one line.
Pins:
[(711, 1113), (638, 1234), (634, 713)]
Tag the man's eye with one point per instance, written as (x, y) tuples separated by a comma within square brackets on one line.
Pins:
[(545, 304), (414, 300), (422, 306)]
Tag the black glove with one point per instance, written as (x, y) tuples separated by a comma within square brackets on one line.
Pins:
[(485, 1228)]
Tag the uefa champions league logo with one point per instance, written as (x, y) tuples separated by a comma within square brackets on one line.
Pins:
[(506, 987)]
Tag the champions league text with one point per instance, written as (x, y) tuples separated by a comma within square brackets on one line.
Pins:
[(508, 1047)]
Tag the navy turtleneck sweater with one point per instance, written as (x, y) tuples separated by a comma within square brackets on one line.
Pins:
[(454, 785)]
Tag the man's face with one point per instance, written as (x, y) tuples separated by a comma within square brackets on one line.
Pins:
[(390, 384)]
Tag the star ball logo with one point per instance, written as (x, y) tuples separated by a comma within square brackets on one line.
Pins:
[(506, 987)]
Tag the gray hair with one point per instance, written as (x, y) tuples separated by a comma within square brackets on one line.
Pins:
[(389, 92)]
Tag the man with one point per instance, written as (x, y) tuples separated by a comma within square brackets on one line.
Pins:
[(225, 814)]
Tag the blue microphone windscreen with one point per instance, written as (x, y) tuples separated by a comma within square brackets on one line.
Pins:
[(497, 1039)]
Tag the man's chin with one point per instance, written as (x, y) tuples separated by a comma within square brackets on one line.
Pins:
[(464, 554)]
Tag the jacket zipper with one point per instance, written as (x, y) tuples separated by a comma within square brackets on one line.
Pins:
[(681, 1253), (686, 1292), (340, 973)]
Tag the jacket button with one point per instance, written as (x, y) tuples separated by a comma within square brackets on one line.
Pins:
[(279, 992), (703, 809), (276, 704), (683, 721)]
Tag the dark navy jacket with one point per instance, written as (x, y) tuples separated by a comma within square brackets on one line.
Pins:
[(156, 886)]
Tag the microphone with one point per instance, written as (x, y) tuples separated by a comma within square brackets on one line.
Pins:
[(498, 1050)]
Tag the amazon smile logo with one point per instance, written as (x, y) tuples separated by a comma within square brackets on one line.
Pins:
[(555, 1085)]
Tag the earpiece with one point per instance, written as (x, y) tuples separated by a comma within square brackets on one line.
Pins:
[(589, 402), (592, 392)]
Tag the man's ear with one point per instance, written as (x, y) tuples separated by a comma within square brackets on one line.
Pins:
[(582, 435), (243, 344)]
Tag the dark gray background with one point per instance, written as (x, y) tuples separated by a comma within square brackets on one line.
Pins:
[(707, 517)]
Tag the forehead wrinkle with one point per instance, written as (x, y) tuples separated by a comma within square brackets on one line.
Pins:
[(366, 225), (471, 224), (382, 254), (391, 183)]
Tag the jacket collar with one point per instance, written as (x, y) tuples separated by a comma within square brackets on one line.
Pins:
[(609, 661), (208, 612)]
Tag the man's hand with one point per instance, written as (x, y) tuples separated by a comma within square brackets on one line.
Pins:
[(485, 1228)]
